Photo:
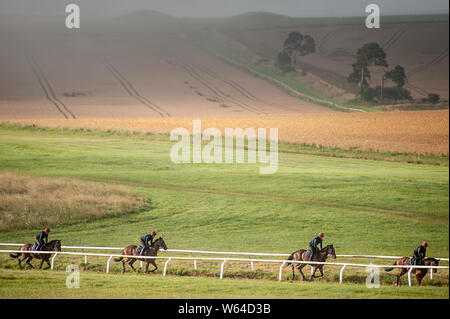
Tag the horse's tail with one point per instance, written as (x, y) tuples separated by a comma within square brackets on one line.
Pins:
[(390, 269), (118, 259), (291, 257), (14, 255)]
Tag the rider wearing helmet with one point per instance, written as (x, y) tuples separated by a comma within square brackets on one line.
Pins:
[(316, 241), (42, 238), (144, 241), (419, 254)]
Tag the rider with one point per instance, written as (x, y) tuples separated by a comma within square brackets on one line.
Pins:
[(42, 238), (316, 241), (144, 241), (419, 254)]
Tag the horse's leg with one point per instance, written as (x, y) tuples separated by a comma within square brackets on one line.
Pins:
[(301, 272), (29, 262), (314, 272), (123, 265), (131, 264), (20, 260), (48, 263), (401, 272), (321, 271), (40, 264), (419, 277), (293, 271), (154, 264)]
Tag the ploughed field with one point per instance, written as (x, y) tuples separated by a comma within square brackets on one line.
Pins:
[(426, 61), (58, 76)]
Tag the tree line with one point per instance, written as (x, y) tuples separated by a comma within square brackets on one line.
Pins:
[(369, 55)]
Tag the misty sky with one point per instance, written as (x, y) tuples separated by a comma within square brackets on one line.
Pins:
[(222, 8)]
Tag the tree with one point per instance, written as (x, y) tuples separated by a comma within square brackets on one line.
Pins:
[(434, 98), (284, 62), (397, 75), (370, 54), (297, 44)]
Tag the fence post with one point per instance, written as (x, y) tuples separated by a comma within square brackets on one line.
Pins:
[(341, 274), (85, 257), (431, 273), (107, 264), (409, 276), (252, 264), (165, 266), (53, 260), (281, 271), (221, 268)]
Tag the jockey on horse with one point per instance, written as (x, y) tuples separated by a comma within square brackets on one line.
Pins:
[(42, 238), (143, 241), (314, 243), (419, 254)]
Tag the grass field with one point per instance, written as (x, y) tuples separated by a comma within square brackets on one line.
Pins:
[(363, 207)]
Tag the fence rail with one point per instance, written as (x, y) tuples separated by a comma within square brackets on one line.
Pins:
[(224, 260), (222, 252)]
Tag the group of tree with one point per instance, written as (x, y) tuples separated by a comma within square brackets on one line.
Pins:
[(296, 45), (372, 55)]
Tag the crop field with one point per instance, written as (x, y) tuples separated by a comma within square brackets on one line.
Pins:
[(422, 132), (364, 207)]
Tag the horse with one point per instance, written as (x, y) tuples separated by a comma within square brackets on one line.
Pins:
[(419, 272), (50, 246), (301, 255), (151, 251)]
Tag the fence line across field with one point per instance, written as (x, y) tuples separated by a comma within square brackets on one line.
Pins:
[(224, 260), (222, 252)]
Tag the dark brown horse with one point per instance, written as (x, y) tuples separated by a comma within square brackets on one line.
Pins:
[(50, 246), (151, 251), (418, 272), (300, 255)]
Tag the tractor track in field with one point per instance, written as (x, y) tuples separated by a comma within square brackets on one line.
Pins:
[(243, 91), (216, 91), (131, 90), (48, 90), (436, 60), (393, 39), (402, 215)]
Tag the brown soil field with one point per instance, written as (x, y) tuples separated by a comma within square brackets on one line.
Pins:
[(426, 61), (418, 132), (129, 77)]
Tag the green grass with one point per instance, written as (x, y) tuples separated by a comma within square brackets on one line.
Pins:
[(363, 207), (46, 284)]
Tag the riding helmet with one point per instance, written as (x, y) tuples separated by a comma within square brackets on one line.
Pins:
[(425, 244), (321, 235), (47, 230)]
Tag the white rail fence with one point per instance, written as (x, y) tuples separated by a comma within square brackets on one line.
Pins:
[(225, 260)]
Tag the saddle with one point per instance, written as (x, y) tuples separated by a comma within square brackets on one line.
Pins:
[(309, 254), (139, 249), (34, 248)]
